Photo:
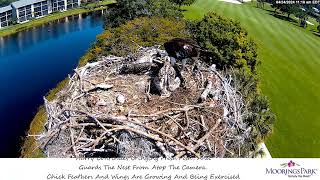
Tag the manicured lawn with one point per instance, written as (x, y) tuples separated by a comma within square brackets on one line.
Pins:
[(99, 3), (52, 17), (290, 74)]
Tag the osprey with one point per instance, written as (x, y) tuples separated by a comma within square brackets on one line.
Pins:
[(182, 50), (166, 81)]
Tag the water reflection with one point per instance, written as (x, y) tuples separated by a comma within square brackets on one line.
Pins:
[(31, 63), (23, 40)]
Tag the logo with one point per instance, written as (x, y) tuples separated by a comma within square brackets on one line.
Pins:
[(289, 164), (292, 169)]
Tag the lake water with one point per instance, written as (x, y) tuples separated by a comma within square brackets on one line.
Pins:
[(31, 63)]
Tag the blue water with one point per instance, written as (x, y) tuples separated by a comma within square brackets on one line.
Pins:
[(33, 62)]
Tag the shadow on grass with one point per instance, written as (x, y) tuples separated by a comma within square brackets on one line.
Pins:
[(285, 18), (271, 11), (316, 33), (295, 22)]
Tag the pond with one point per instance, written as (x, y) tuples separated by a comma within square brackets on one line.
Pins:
[(31, 63)]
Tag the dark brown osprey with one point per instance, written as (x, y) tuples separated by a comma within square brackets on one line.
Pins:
[(182, 50)]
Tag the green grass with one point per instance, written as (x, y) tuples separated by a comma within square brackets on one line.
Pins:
[(52, 17), (99, 3), (290, 74)]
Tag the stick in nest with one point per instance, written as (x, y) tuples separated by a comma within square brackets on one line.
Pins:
[(200, 141)]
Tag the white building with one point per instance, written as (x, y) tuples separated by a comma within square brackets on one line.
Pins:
[(63, 5), (25, 10), (5, 16)]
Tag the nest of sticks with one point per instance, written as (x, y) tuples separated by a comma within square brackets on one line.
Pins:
[(111, 108)]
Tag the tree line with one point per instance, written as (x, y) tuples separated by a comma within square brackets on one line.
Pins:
[(301, 11)]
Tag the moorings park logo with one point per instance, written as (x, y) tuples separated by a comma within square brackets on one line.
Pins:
[(292, 169)]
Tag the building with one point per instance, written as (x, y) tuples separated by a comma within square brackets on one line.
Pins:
[(5, 16), (25, 10), (63, 5), (58, 5), (73, 4), (41, 9)]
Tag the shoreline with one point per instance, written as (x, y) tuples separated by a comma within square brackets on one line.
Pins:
[(50, 18), (29, 146)]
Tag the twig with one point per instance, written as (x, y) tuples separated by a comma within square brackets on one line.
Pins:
[(200, 140), (72, 141)]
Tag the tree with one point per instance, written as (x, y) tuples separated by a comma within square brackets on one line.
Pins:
[(183, 2), (228, 46), (286, 8), (126, 10), (275, 5), (290, 9), (143, 31), (5, 2), (260, 3), (227, 42), (303, 17), (260, 116)]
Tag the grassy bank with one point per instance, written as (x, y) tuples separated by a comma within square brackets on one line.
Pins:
[(55, 16), (30, 147), (289, 73), (100, 3)]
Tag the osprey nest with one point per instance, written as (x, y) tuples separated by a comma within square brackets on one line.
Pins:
[(143, 106)]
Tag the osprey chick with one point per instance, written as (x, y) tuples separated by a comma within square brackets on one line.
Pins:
[(166, 81)]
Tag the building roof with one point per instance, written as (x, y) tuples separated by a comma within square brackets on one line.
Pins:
[(21, 3), (5, 9)]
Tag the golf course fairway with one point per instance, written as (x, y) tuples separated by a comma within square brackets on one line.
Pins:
[(290, 74)]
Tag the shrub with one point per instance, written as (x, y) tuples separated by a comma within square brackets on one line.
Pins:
[(227, 42), (229, 47), (143, 31), (89, 56), (183, 2), (126, 39), (260, 116), (126, 10)]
